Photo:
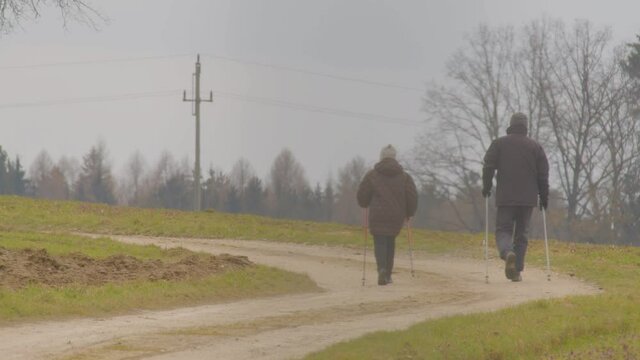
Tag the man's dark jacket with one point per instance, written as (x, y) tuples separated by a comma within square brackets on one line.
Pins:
[(391, 196), (522, 166)]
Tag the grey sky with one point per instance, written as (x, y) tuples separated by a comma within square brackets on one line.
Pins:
[(399, 42)]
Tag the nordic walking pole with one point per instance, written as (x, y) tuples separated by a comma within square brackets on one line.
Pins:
[(410, 246), (486, 239), (365, 222), (546, 243)]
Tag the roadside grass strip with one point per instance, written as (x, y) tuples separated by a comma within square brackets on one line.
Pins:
[(604, 326), (39, 302)]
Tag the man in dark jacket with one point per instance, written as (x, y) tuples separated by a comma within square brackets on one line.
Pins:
[(522, 179), (391, 196)]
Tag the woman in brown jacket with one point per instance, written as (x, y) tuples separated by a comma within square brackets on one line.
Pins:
[(391, 196)]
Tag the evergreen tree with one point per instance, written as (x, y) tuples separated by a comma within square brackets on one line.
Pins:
[(17, 183), (95, 183), (233, 201), (328, 201), (4, 172), (216, 189), (631, 65), (316, 211), (12, 175), (254, 196), (176, 192)]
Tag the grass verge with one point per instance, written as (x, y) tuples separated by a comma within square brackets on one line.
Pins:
[(23, 214), (36, 302), (605, 326)]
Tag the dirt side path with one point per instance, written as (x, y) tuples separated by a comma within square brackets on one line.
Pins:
[(288, 326)]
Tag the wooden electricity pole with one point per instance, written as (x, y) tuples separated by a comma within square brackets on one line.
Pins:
[(196, 100)]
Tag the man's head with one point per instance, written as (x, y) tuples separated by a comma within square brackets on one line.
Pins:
[(518, 119), (388, 152)]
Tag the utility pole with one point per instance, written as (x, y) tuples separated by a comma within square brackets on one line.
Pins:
[(196, 100)]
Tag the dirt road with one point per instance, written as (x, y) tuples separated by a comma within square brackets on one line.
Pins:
[(288, 326)]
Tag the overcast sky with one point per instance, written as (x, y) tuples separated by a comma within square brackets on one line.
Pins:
[(404, 43)]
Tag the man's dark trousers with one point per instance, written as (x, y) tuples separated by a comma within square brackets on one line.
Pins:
[(385, 248), (510, 239)]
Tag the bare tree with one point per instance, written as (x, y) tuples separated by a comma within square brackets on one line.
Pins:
[(241, 173), (288, 183), (575, 97), (530, 69), (40, 169), (464, 117), (619, 130), (13, 12), (70, 168), (349, 177), (155, 178), (129, 186)]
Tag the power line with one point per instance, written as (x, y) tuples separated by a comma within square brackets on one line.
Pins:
[(223, 94), (92, 62), (90, 99), (225, 58), (317, 109), (317, 73)]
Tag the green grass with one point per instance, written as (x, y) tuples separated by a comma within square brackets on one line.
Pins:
[(100, 248), (605, 326), (37, 302), (23, 214)]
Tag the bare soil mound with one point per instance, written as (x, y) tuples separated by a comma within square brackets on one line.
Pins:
[(19, 268)]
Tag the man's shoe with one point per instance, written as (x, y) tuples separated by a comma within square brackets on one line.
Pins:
[(517, 278), (382, 278), (510, 266), (389, 281)]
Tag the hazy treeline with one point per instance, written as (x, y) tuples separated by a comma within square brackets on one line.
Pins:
[(285, 193), (580, 92), (168, 183)]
